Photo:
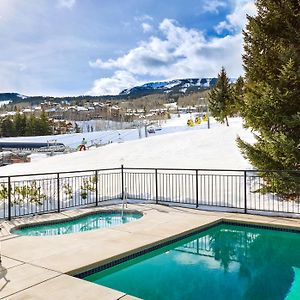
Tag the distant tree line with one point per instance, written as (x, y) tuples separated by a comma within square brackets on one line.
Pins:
[(17, 101), (74, 100), (21, 125)]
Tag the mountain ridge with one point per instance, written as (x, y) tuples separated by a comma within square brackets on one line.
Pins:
[(168, 87), (184, 85), (11, 96)]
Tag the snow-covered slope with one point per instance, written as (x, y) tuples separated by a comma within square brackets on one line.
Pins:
[(174, 86), (179, 147)]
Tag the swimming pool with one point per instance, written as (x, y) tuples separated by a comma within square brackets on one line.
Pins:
[(85, 223), (223, 262)]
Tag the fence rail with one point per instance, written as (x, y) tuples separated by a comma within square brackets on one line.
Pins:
[(247, 191)]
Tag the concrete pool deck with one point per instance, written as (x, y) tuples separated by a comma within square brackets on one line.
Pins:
[(40, 267)]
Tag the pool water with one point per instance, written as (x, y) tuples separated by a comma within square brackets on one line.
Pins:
[(86, 223), (223, 262)]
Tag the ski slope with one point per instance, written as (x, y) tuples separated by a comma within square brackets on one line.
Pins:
[(175, 146)]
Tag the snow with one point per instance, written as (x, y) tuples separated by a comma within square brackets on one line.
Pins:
[(53, 109), (154, 85), (172, 83), (22, 96), (175, 146), (81, 108), (4, 102), (168, 85), (172, 105)]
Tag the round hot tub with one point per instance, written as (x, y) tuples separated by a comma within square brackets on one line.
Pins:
[(88, 222)]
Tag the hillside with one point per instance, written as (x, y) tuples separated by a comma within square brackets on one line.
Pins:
[(13, 97), (175, 146), (168, 88), (182, 86)]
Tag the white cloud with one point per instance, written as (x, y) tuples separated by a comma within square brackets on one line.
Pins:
[(143, 18), (160, 57), (213, 6), (66, 3), (113, 85), (145, 21), (147, 27), (179, 52), (238, 18)]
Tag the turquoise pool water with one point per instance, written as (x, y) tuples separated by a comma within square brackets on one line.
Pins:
[(89, 222), (224, 262)]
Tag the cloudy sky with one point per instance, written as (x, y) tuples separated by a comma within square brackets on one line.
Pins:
[(75, 47)]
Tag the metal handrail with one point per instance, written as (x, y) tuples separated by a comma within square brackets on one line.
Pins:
[(62, 172), (199, 187), (150, 169)]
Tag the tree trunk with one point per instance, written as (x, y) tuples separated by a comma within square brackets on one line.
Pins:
[(227, 124)]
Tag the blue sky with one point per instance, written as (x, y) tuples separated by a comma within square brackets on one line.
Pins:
[(75, 47)]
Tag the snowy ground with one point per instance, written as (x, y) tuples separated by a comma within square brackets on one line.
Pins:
[(175, 146)]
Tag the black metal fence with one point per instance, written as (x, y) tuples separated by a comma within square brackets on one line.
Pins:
[(228, 190)]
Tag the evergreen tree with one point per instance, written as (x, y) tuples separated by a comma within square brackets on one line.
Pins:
[(238, 94), (43, 125), (272, 97), (8, 128), (220, 98), (20, 124), (30, 126)]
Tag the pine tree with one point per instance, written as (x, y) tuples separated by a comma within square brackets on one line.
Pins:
[(20, 124), (220, 99), (8, 128), (238, 94), (30, 126), (44, 127), (272, 97)]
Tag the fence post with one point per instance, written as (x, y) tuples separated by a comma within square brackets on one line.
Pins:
[(156, 186), (245, 192), (122, 181), (58, 192), (197, 192), (96, 191), (9, 198)]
